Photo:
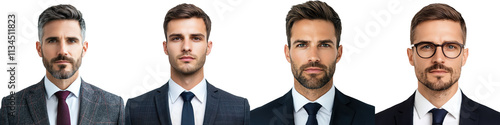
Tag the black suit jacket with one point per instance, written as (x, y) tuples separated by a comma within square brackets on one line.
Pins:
[(222, 108), (346, 111), (96, 107), (471, 113)]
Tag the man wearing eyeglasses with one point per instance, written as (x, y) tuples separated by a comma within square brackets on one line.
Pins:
[(438, 35)]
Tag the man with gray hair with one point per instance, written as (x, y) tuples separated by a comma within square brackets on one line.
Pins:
[(62, 97)]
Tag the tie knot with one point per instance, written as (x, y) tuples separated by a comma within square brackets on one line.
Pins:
[(187, 96), (438, 115), (312, 108), (61, 95)]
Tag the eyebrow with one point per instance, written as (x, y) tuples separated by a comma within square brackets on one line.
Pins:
[(300, 41), (326, 41), (56, 38)]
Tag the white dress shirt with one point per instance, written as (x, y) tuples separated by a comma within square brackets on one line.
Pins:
[(422, 116), (72, 100), (176, 103), (325, 112)]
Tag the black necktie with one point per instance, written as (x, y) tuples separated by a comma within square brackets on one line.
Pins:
[(187, 109), (312, 110), (438, 116), (62, 108)]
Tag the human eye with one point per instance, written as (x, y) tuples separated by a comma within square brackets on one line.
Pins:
[(301, 45), (197, 39), (325, 45), (175, 39), (51, 41)]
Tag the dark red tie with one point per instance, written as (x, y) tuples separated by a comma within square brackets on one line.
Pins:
[(62, 108)]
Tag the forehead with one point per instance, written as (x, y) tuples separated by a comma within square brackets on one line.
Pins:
[(438, 31), (309, 29), (189, 25), (62, 28)]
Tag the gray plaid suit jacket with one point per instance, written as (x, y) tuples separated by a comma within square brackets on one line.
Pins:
[(28, 106), (222, 108)]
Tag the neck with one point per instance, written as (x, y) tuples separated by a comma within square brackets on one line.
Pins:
[(312, 94), (187, 81), (62, 84), (437, 98)]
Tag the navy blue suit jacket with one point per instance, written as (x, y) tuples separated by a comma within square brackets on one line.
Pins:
[(222, 108), (471, 113), (346, 111)]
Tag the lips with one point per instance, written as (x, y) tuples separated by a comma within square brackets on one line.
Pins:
[(313, 70), (186, 58), (61, 61)]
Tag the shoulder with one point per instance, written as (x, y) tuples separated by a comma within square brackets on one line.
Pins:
[(485, 113), (265, 111), (357, 104), (148, 96), (226, 96), (107, 96), (33, 89)]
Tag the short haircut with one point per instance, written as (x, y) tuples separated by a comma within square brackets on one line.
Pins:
[(60, 12), (313, 10), (186, 11), (437, 11)]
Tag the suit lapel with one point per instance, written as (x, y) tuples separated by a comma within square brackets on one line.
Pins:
[(88, 100), (37, 104), (212, 105), (161, 100), (467, 111), (283, 114), (341, 113), (405, 112)]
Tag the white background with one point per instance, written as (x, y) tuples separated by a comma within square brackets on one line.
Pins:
[(125, 54)]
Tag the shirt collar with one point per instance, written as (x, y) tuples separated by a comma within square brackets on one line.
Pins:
[(325, 100), (175, 90), (423, 106), (51, 88)]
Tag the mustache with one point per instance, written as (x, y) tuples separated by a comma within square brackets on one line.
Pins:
[(186, 54), (438, 66), (61, 57), (313, 64)]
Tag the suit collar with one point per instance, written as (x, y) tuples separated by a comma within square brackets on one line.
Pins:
[(341, 113), (404, 115), (212, 104), (468, 115), (283, 113), (37, 103), (88, 99), (161, 101)]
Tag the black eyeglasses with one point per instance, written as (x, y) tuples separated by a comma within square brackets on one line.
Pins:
[(427, 49)]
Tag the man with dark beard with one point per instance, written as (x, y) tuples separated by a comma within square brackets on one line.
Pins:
[(62, 97), (313, 33), (187, 98), (437, 36)]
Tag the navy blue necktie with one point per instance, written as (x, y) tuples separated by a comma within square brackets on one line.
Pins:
[(438, 116), (187, 109), (312, 110)]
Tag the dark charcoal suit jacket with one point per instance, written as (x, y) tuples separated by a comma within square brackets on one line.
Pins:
[(97, 107), (222, 108), (346, 111), (471, 113)]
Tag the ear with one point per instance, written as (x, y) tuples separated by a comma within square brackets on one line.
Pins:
[(85, 47), (466, 55), (165, 47), (287, 53), (339, 53), (39, 48), (409, 52), (209, 47)]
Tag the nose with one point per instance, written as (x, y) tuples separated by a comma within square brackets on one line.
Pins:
[(313, 55), (438, 55), (186, 46), (63, 48)]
